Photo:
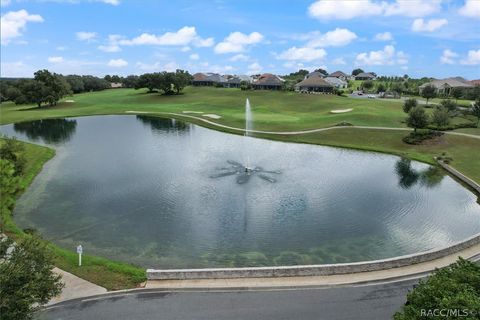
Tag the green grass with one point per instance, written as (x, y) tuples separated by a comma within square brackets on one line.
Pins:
[(273, 110), (109, 274)]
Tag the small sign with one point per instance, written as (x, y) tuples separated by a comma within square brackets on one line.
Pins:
[(79, 251)]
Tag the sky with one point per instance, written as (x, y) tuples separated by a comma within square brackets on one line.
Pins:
[(431, 38)]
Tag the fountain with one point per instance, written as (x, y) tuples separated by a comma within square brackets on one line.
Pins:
[(245, 171)]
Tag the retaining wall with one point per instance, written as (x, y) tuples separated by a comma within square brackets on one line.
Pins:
[(324, 269), (311, 270)]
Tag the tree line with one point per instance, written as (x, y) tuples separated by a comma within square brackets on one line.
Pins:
[(47, 88)]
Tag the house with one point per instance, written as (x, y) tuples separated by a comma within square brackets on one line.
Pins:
[(207, 79), (444, 86), (336, 82), (314, 84), (475, 82), (314, 74), (339, 75), (365, 76), (268, 81), (115, 85)]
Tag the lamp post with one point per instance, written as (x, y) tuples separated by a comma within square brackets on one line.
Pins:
[(79, 251)]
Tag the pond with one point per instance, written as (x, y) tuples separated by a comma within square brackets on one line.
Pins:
[(161, 193)]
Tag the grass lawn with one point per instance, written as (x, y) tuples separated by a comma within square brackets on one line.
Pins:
[(272, 110), (109, 274)]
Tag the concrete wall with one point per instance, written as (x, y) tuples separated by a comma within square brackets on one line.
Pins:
[(325, 269), (311, 270)]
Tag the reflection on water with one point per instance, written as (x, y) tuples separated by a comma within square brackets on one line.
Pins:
[(164, 124), (51, 131), (140, 190), (408, 176)]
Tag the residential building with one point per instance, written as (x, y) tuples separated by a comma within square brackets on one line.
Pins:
[(268, 81), (444, 86), (314, 84), (365, 76), (314, 74), (340, 75), (115, 85), (207, 79), (336, 82)]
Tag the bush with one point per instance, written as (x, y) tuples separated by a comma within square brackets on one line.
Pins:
[(409, 104), (420, 136), (440, 117), (448, 104)]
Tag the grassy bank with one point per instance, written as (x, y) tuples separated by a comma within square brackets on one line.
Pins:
[(109, 274)]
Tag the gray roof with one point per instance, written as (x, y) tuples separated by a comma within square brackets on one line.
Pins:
[(314, 74), (268, 79), (447, 83), (365, 75), (335, 81), (209, 76), (337, 74), (313, 82)]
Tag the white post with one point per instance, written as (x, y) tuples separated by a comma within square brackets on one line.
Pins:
[(79, 251)]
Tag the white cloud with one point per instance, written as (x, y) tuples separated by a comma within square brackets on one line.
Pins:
[(16, 69), (420, 25), (109, 48), (387, 56), (182, 37), (112, 44), (13, 23), (86, 36), (473, 58), (208, 42), (413, 8), (302, 54), (348, 9), (448, 57), (254, 68), (384, 36), (237, 42), (339, 61), (117, 63), (148, 67), (335, 38), (112, 2), (5, 3), (55, 59), (170, 66), (186, 49), (470, 9), (239, 57), (194, 56), (343, 9)]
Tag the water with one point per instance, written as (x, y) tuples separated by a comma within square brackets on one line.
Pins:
[(140, 190), (248, 129)]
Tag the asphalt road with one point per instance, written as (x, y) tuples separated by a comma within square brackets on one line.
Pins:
[(374, 301)]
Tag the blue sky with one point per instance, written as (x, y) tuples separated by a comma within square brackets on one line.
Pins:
[(420, 38)]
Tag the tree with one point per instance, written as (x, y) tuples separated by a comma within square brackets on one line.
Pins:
[(164, 81), (476, 110), (56, 87), (381, 88), (367, 84), (9, 183), (357, 71), (456, 93), (397, 87), (456, 287), (440, 117), (448, 104), (429, 92), (11, 150), (417, 118), (130, 81), (244, 85), (181, 79), (26, 278), (322, 71), (409, 104), (76, 83)]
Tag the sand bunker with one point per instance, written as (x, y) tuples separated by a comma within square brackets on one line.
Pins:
[(69, 101), (213, 116), (340, 110), (192, 111)]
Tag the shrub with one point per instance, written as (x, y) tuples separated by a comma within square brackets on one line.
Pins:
[(409, 104), (420, 136), (440, 117), (448, 104)]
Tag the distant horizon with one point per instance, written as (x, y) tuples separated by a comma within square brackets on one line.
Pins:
[(434, 38)]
